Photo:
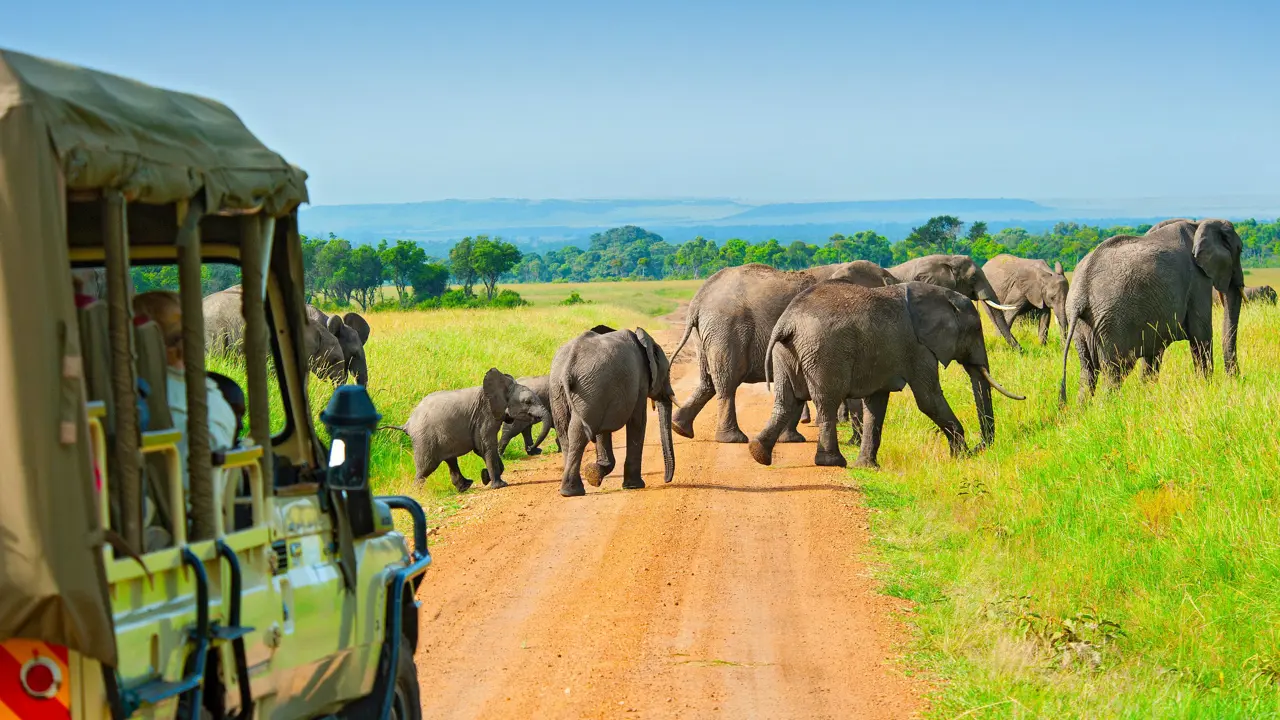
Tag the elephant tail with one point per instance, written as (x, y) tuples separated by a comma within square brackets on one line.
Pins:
[(781, 333), (1066, 350), (401, 428), (691, 322)]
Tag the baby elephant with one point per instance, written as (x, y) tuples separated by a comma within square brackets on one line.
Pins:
[(451, 423), (540, 385), (599, 384), (838, 340)]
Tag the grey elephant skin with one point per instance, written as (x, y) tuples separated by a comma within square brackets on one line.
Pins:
[(352, 332), (448, 424), (1032, 287), (1134, 295), (1264, 294), (541, 386), (599, 385), (733, 313), (961, 274), (839, 340)]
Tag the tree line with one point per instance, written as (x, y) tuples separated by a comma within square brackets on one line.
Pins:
[(340, 274)]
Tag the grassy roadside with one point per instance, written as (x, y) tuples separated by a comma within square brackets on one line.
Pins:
[(1117, 559)]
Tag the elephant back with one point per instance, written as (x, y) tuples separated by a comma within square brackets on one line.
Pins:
[(224, 320)]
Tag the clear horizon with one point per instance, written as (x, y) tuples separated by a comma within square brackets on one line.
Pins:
[(748, 101)]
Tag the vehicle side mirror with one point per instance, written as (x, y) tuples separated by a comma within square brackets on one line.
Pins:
[(351, 419)]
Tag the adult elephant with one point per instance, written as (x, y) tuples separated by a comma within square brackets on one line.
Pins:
[(734, 312), (839, 340), (599, 384), (352, 332), (1031, 286), (1134, 295), (1259, 294), (961, 274), (224, 333)]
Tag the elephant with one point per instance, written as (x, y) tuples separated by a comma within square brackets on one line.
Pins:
[(540, 386), (599, 384), (839, 340), (962, 274), (224, 333), (733, 313), (1132, 296), (1031, 286), (448, 424), (1261, 294), (352, 331)]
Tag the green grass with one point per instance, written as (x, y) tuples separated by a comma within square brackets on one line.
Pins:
[(647, 297), (1154, 508)]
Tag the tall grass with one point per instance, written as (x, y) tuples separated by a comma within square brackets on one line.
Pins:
[(1118, 558), (412, 354)]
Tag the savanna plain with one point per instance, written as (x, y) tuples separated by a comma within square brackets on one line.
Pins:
[(1117, 558)]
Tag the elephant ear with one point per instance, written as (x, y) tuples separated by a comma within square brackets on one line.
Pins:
[(495, 386), (651, 354), (334, 325), (940, 274), (936, 323), (1217, 251), (357, 322), (1034, 290), (1057, 269)]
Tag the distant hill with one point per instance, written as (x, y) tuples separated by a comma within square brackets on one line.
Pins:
[(541, 225)]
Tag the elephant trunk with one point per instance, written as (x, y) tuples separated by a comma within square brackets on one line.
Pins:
[(980, 380), (1060, 311), (664, 433), (987, 295), (1230, 322)]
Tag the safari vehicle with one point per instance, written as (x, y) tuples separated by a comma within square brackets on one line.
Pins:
[(279, 587)]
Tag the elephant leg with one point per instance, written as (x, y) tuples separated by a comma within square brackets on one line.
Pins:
[(1200, 335), (632, 479), (804, 414), (529, 447), (930, 400), (853, 407), (1117, 368), (792, 433), (828, 453), (574, 445), (491, 475), (596, 472), (423, 469), (727, 430), (682, 421), (1045, 319), (874, 409), (842, 413), (460, 482), (1089, 365), (1151, 366), (786, 413), (509, 431)]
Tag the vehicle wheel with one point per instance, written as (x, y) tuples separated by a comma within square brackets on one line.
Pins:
[(405, 704)]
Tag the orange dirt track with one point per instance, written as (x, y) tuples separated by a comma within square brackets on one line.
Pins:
[(737, 591)]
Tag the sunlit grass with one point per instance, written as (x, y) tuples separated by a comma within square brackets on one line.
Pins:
[(643, 296), (1157, 506)]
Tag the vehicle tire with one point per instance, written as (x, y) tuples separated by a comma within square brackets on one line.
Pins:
[(405, 705)]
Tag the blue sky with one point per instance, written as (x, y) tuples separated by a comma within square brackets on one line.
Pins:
[(779, 101)]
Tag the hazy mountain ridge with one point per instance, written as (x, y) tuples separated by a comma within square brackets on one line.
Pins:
[(546, 224)]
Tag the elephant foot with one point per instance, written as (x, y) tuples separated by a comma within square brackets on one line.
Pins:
[(826, 458), (484, 476), (633, 484), (730, 436), (498, 484), (572, 489), (593, 474), (531, 451), (682, 429), (866, 463), (759, 453), (791, 436), (462, 486)]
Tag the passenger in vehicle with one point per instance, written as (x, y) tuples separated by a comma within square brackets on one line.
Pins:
[(165, 309)]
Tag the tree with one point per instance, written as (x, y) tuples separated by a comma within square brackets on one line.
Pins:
[(401, 262), (429, 280), (491, 259), (977, 230), (460, 266), (333, 272), (365, 270)]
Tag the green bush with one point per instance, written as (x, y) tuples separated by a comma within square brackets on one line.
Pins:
[(508, 299), (574, 299)]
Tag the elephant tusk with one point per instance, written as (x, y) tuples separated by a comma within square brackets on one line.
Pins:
[(997, 386), (998, 306)]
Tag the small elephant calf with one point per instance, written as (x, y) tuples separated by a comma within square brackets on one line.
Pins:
[(540, 386), (451, 423)]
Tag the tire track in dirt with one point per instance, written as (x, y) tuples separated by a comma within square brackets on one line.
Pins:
[(736, 591)]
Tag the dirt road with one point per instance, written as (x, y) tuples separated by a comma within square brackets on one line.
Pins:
[(737, 591)]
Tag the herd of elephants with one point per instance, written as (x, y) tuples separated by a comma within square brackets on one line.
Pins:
[(841, 336)]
